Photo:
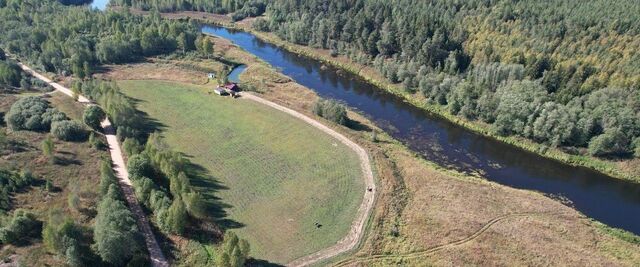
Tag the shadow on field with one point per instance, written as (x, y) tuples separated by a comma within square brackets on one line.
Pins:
[(261, 263), (146, 123), (209, 186)]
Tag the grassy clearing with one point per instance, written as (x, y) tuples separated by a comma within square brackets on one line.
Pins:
[(276, 175), (77, 172)]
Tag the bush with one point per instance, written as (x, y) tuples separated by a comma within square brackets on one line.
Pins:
[(22, 227), (612, 142), (32, 113), (139, 166), (10, 74), (131, 146), (92, 116), (69, 130), (331, 110), (636, 147)]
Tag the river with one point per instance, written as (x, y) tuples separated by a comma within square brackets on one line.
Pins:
[(611, 201)]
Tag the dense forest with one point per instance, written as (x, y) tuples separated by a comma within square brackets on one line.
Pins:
[(559, 72), (240, 8), (74, 40)]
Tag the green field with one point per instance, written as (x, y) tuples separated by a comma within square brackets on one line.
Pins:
[(278, 175)]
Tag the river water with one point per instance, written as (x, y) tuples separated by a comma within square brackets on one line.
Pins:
[(611, 201)]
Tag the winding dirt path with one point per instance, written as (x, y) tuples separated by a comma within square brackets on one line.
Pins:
[(425, 252), (155, 253), (357, 227)]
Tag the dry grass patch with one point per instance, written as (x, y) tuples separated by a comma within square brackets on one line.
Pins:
[(76, 172)]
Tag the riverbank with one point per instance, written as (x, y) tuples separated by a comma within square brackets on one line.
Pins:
[(628, 170)]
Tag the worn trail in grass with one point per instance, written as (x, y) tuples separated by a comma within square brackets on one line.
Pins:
[(276, 175)]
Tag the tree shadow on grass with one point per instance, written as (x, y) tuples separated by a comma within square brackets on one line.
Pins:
[(209, 186), (261, 263), (145, 123)]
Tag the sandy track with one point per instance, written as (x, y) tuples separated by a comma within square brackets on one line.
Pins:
[(357, 227), (155, 253)]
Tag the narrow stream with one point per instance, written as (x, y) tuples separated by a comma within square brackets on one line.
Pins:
[(611, 201)]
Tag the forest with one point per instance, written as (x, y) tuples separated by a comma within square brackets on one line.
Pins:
[(568, 69), (77, 40)]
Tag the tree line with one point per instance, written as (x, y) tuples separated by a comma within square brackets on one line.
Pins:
[(528, 68), (75, 40)]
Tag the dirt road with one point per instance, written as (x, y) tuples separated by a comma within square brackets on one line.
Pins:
[(357, 227), (155, 253)]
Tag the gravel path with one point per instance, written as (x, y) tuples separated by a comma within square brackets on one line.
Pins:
[(155, 253), (357, 227)]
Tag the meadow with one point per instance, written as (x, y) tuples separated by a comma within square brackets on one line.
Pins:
[(283, 185)]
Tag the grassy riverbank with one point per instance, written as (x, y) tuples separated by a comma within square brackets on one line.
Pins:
[(624, 169)]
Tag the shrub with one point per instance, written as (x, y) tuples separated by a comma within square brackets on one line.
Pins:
[(22, 227), (636, 147), (139, 166), (131, 146), (69, 130), (612, 142), (331, 110), (92, 116), (32, 113), (10, 73)]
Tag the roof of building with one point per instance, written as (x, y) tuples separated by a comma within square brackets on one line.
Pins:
[(231, 86)]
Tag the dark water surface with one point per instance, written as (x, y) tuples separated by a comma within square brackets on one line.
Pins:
[(611, 201)]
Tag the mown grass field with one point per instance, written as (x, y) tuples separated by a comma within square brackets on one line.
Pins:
[(278, 175)]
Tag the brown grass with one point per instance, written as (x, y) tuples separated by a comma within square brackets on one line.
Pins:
[(154, 70), (77, 172)]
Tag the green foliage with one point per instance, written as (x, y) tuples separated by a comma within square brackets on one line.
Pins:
[(139, 166), (10, 73), (636, 146), (62, 236), (48, 147), (331, 110), (69, 130), (115, 232), (93, 116), (610, 142), (107, 177), (22, 227), (70, 40), (12, 181), (243, 7), (32, 113), (233, 251), (131, 146)]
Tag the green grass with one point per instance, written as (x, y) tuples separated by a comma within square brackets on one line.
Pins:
[(280, 175)]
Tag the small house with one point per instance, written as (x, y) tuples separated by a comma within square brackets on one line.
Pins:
[(232, 87), (211, 75)]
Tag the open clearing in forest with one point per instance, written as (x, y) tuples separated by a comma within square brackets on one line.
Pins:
[(275, 176)]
